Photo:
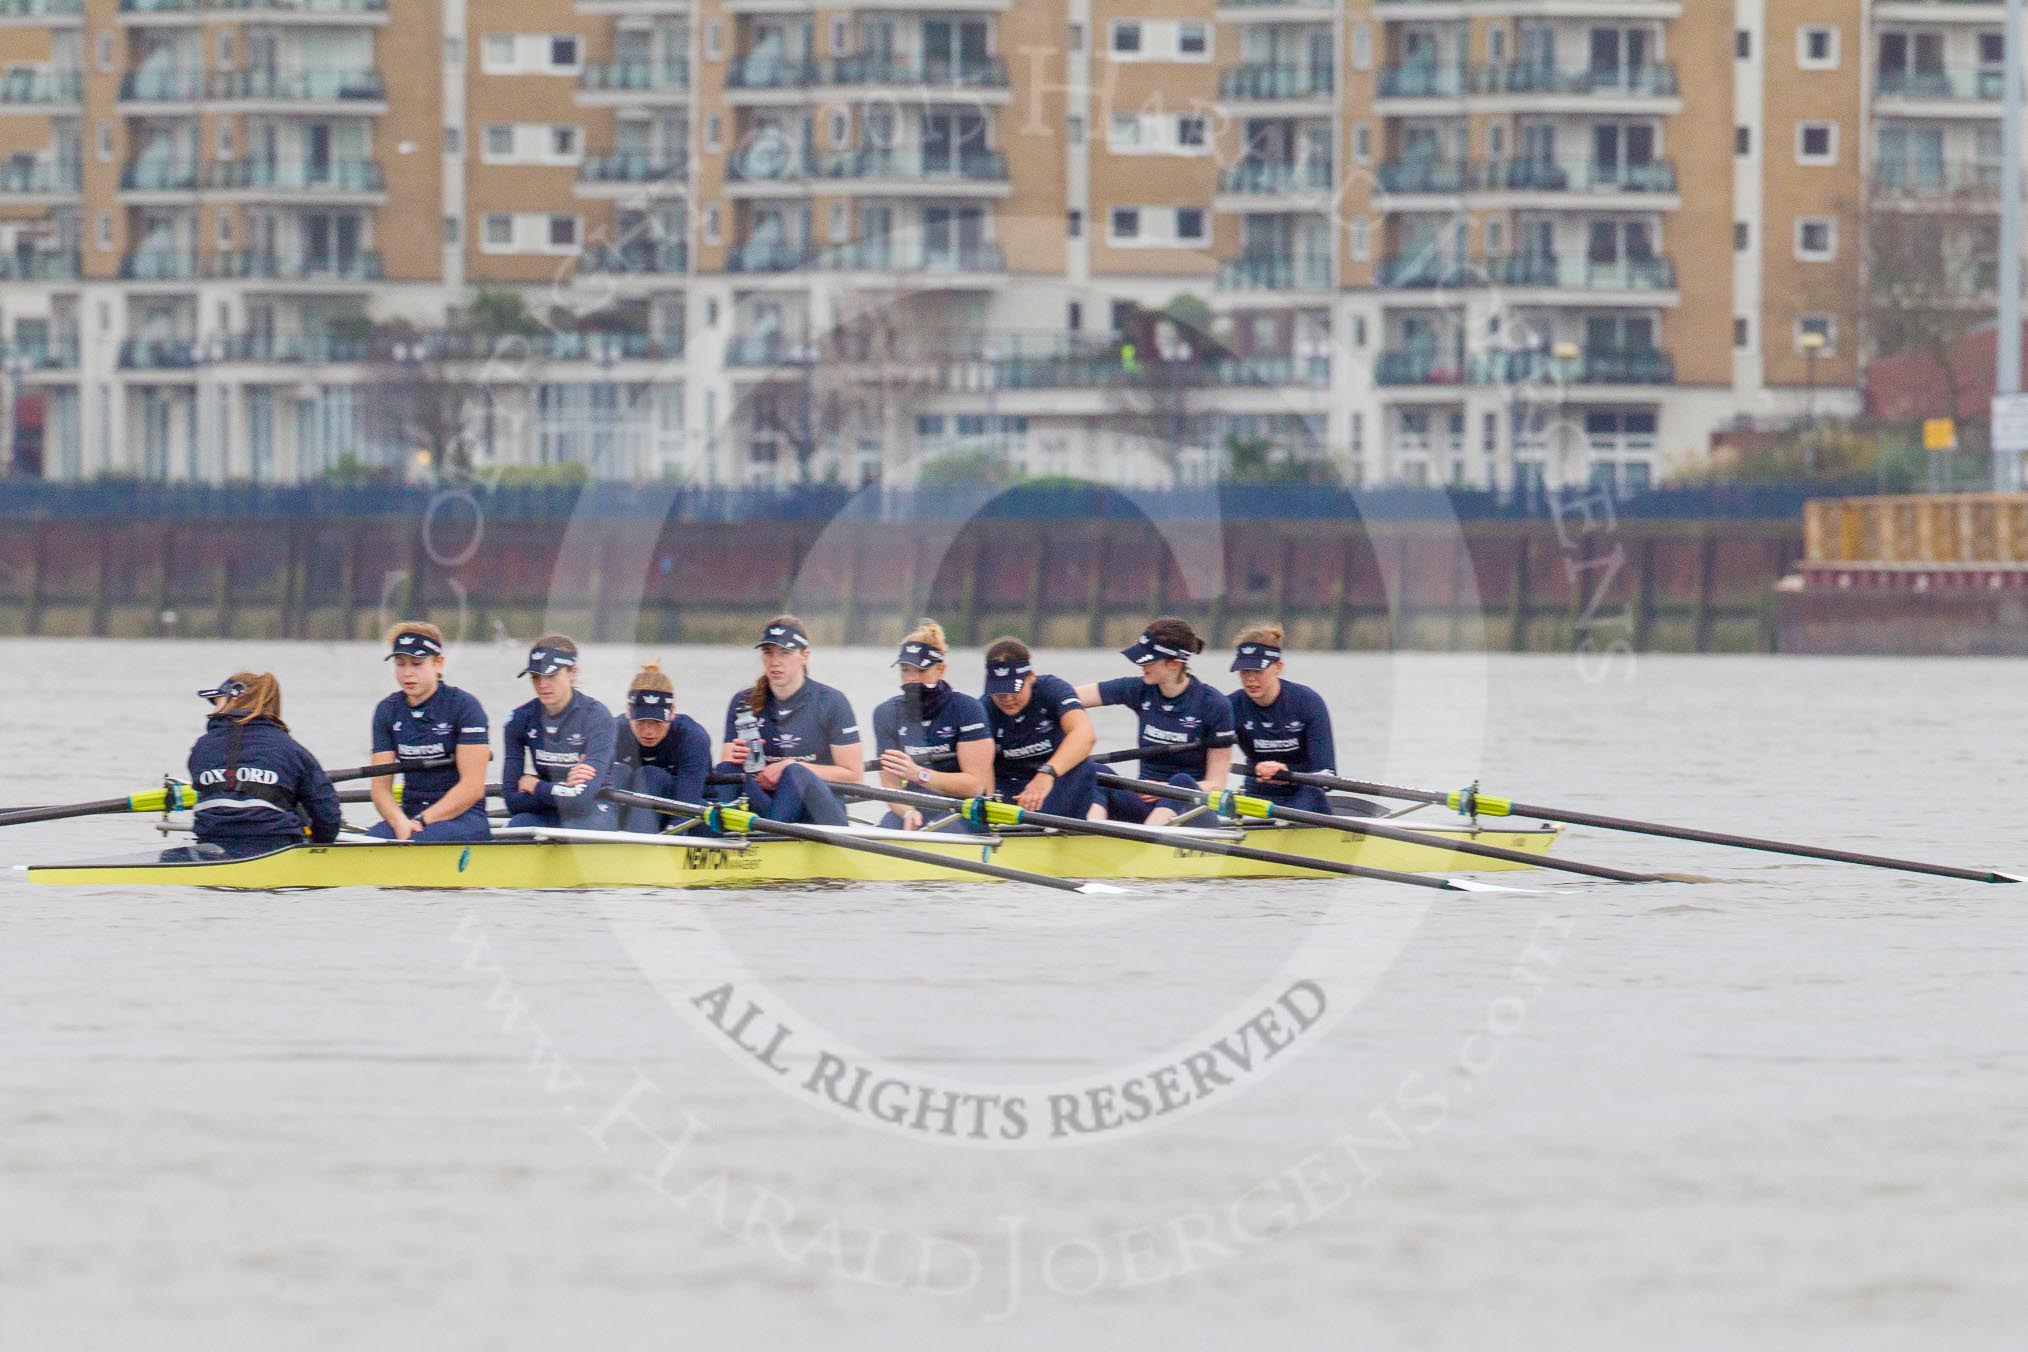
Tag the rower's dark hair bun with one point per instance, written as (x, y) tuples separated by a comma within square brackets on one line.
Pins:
[(1007, 651), (1175, 633)]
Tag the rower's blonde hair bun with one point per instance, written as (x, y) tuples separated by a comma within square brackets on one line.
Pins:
[(1261, 633), (930, 632), (652, 677)]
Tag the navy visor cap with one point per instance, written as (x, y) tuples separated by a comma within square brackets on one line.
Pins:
[(1255, 657), (1006, 678), (225, 689), (412, 644), (921, 656), (784, 636), (1144, 650), (658, 706), (550, 659)]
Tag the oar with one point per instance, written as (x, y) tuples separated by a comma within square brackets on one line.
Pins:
[(159, 799), (1133, 752), (1230, 804), (992, 812), (739, 821), (1470, 802)]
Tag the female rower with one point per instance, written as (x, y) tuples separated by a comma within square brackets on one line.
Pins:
[(932, 739), (1280, 725), (557, 751), (789, 735), (256, 785), (1175, 710), (1041, 734), (426, 721), (658, 751)]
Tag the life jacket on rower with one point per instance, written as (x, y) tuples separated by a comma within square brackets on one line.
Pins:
[(256, 785)]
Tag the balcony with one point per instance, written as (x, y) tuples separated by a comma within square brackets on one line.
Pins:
[(770, 258), (1271, 82), (1427, 177), (1593, 176), (1257, 178), (43, 13), (162, 86), (1421, 81), (1942, 86), (637, 258), (178, 176), (1426, 367), (1528, 78), (769, 162), (256, 265), (293, 349), (159, 354), (40, 179), (35, 91), (1275, 272), (1420, 271), (1316, 11), (332, 178), (159, 265), (628, 174), (864, 72), (913, 256), (51, 354), (264, 11), (40, 267), (1938, 183), (607, 81), (1418, 366), (342, 87)]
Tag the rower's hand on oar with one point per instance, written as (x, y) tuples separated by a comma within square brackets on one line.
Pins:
[(896, 762), (1035, 793), (911, 820), (1269, 769), (581, 773), (770, 774)]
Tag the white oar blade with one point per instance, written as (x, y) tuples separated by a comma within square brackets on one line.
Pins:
[(1104, 890), (1472, 885), (2000, 877)]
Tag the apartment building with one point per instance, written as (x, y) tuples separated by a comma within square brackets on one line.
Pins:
[(1484, 242)]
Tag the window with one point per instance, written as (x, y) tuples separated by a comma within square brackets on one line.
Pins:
[(454, 141), (496, 54), (1193, 41), (454, 50), (1826, 325), (1489, 434), (1190, 131), (1073, 316), (1742, 237), (1496, 45), (1073, 223), (563, 52), (1125, 223), (225, 49), (1742, 332), (453, 228), (1817, 48), (841, 36), (841, 129), (1362, 238), (1125, 132), (1992, 50), (1742, 140), (1816, 239), (1362, 143), (711, 231), (224, 138), (225, 229), (1077, 37), (714, 40), (498, 236), (1358, 435), (1362, 47), (563, 232), (1496, 244), (1074, 129), (1126, 39), (1817, 143), (499, 143), (1189, 225), (563, 143), (105, 51), (105, 234), (841, 223), (1742, 44), (712, 125), (105, 140), (1496, 142)]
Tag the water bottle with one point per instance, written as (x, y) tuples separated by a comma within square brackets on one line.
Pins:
[(748, 729)]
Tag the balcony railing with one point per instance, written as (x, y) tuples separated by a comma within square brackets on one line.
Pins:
[(158, 354), (1268, 81), (334, 176), (40, 177), (1275, 272), (913, 256), (1424, 272), (308, 86), (1525, 175), (909, 165), (634, 168), (1274, 178), (34, 88), (635, 77), (50, 354), (648, 258), (1423, 176), (1953, 86), (41, 9), (159, 176), (1913, 181), (861, 72), (770, 258), (161, 86), (258, 265), (40, 267), (1531, 78), (255, 8), (158, 265), (314, 348), (1421, 81), (1423, 366)]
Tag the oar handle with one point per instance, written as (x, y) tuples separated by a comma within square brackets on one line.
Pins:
[(1136, 752)]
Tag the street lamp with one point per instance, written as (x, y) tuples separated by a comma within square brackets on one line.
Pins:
[(1566, 354), (1812, 343)]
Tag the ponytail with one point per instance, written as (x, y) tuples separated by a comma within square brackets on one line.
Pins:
[(262, 698)]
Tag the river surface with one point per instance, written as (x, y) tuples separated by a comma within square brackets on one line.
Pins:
[(1781, 1108)]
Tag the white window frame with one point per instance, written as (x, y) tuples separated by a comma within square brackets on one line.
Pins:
[(549, 61), (1829, 329), (490, 153), (1829, 252), (1202, 145), (714, 40), (711, 223), (550, 220), (1139, 51), (1126, 134), (1204, 32), (1362, 47), (1830, 157), (487, 244), (571, 132), (1804, 61), (1136, 240), (1203, 235), (499, 54)]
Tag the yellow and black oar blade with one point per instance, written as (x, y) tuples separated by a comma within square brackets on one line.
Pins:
[(991, 812), (739, 820), (156, 799), (1243, 805), (1471, 802)]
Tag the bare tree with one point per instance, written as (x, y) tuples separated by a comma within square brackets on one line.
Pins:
[(1929, 283)]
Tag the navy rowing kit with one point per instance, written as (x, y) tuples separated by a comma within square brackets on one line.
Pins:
[(432, 731), (1197, 714), (1024, 742), (256, 787), (928, 722), (675, 767), (1294, 729), (802, 729), (549, 746)]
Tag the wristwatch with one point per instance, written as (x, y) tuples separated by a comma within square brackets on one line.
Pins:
[(1050, 770), (922, 776)]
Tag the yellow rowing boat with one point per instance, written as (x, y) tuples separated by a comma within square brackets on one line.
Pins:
[(539, 858)]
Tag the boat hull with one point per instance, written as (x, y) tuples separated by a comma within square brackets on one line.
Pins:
[(552, 860)]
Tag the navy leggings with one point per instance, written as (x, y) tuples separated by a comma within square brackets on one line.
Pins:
[(467, 826), (1124, 805), (798, 796)]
